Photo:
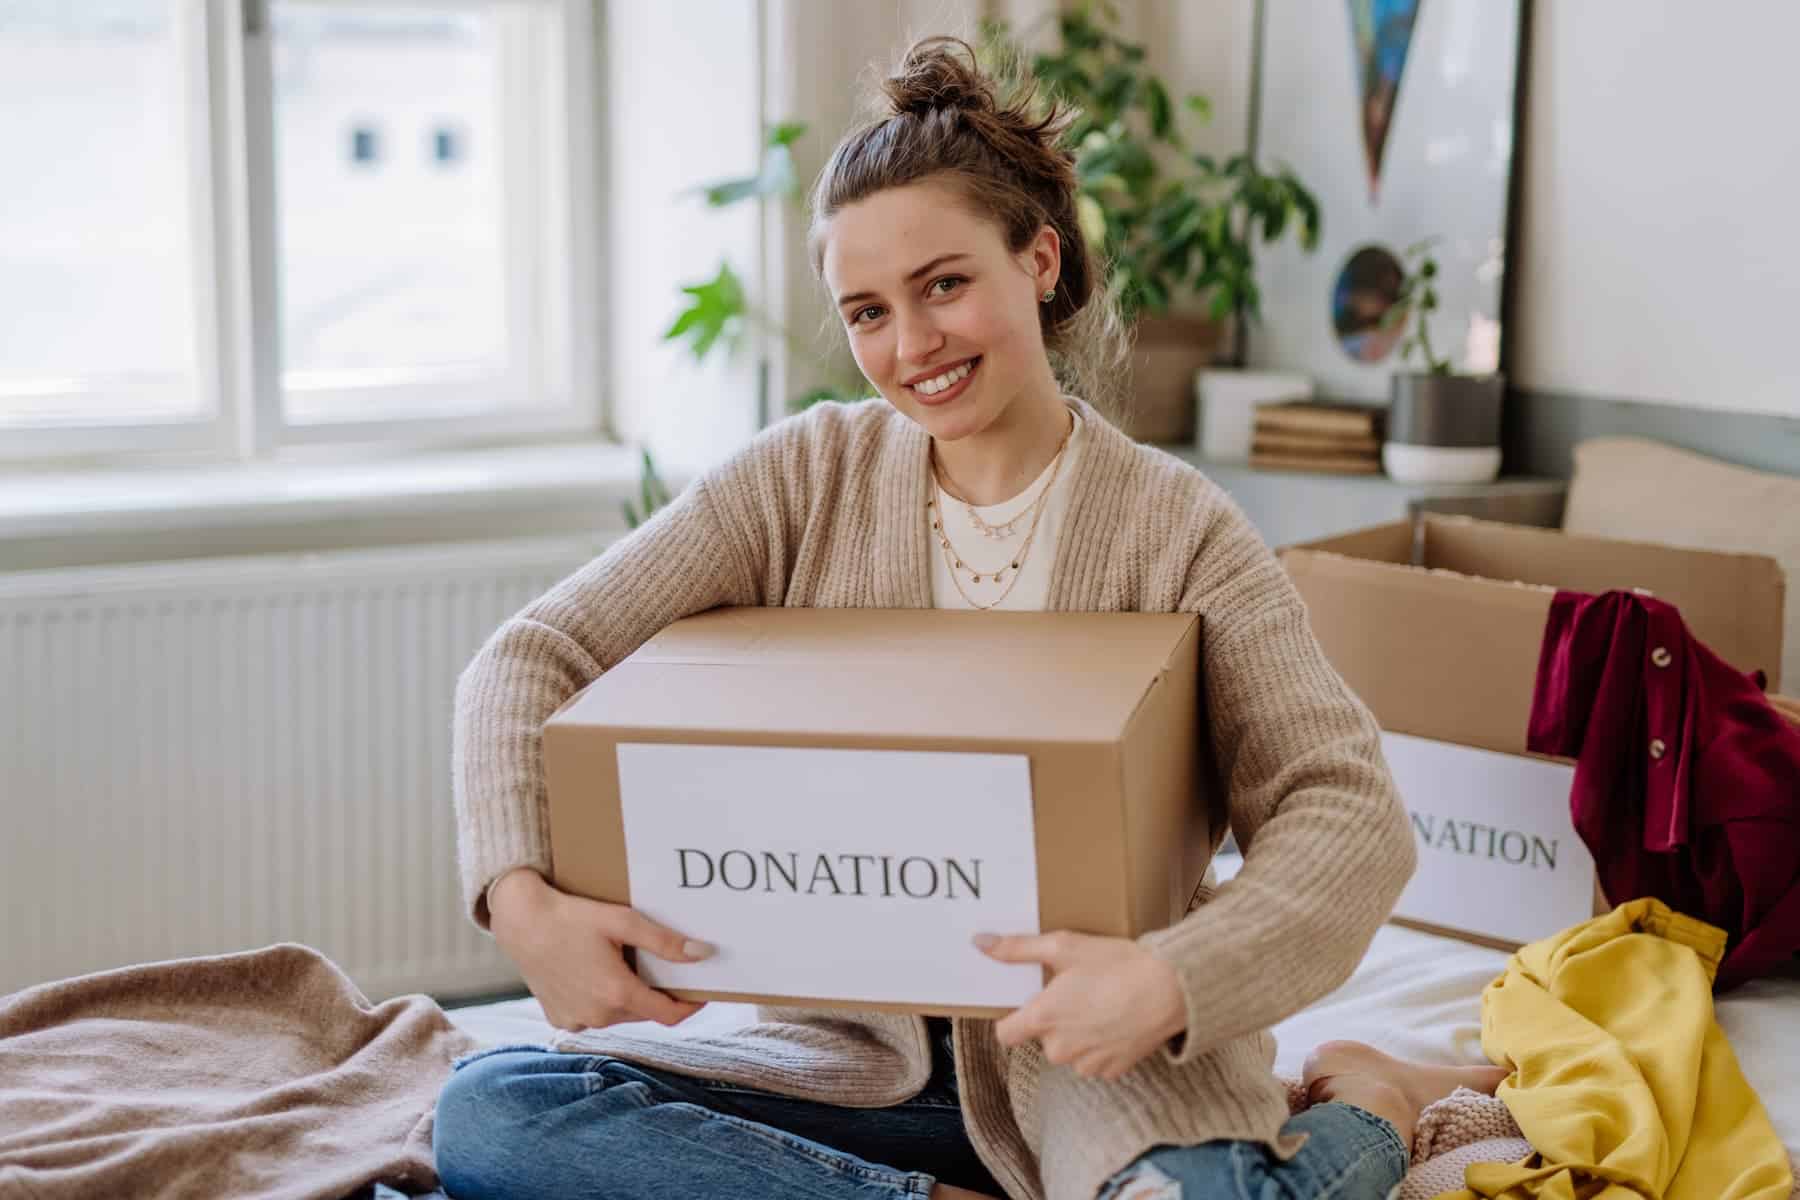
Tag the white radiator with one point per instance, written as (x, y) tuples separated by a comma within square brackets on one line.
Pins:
[(210, 756)]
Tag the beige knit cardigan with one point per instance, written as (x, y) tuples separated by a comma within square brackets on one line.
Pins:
[(827, 510)]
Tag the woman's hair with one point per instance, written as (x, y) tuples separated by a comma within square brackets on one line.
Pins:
[(941, 117)]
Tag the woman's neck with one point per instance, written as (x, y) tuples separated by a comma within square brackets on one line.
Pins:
[(993, 466)]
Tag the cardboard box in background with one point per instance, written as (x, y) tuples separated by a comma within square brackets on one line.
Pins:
[(1099, 713), (1500, 863), (1438, 627)]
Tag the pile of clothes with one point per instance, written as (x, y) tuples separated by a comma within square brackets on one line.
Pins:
[(1687, 778), (1687, 793)]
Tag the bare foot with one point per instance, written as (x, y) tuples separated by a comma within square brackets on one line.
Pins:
[(943, 1191), (1389, 1087)]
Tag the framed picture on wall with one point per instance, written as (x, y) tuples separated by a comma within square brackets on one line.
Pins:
[(1399, 115)]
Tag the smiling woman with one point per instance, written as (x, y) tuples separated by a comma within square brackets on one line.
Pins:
[(952, 251), (982, 477), (919, 332)]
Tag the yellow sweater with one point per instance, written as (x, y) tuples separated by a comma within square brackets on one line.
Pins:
[(1622, 1081), (826, 510)]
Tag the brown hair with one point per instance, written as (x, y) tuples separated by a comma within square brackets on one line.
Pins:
[(942, 117)]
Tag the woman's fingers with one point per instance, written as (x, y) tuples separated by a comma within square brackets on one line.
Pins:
[(648, 1004), (633, 928)]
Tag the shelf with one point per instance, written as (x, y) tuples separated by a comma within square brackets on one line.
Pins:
[(1300, 506)]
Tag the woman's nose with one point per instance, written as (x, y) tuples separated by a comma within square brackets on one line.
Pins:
[(919, 339)]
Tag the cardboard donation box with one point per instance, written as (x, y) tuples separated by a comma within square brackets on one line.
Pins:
[(1438, 627), (838, 799)]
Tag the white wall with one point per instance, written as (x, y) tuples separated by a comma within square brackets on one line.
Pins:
[(680, 96), (1658, 253), (1659, 249), (1656, 260)]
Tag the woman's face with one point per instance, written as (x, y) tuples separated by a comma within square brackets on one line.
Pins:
[(941, 317)]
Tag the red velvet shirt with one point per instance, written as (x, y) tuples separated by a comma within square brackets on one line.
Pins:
[(1687, 781)]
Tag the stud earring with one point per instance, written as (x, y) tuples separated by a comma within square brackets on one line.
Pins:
[(1049, 295)]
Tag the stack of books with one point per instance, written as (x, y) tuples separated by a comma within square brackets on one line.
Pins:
[(1310, 435)]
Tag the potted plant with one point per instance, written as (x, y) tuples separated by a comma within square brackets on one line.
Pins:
[(1178, 228), (1443, 427), (717, 313)]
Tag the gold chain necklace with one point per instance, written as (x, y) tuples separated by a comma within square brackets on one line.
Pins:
[(1036, 509), (991, 532)]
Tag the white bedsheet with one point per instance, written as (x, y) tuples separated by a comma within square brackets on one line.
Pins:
[(1416, 994)]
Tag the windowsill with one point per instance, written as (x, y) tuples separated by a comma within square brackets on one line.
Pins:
[(83, 517), (54, 519)]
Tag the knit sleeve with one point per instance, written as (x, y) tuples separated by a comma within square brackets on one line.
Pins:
[(680, 562), (1327, 845)]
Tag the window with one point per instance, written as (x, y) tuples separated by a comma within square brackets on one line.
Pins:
[(99, 294), (234, 225)]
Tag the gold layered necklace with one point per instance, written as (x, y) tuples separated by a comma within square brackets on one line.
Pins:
[(1034, 510), (991, 532)]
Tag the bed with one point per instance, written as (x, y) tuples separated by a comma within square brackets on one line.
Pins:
[(1416, 995)]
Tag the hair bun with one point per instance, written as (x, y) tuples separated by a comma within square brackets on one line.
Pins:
[(939, 73)]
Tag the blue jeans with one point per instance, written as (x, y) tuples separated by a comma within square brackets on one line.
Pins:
[(526, 1122)]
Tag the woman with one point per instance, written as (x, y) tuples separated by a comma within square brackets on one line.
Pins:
[(946, 235)]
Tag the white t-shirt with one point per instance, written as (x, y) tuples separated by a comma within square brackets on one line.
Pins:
[(1031, 592)]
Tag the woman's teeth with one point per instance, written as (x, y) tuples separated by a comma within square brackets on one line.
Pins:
[(932, 387)]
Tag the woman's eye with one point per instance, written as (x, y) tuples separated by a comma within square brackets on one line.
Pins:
[(953, 280), (860, 313)]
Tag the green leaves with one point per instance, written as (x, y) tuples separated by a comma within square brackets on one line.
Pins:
[(716, 310), (776, 177), (1161, 112), (1416, 300), (652, 493), (1310, 220), (1168, 225)]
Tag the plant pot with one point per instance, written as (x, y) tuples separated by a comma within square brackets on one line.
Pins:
[(1167, 353), (1444, 428), (1228, 398)]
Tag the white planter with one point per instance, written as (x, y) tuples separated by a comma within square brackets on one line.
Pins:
[(1227, 400), (1444, 428), (1440, 464)]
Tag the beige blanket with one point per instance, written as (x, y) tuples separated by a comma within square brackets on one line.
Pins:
[(264, 1073)]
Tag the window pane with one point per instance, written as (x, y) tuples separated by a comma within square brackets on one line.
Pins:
[(96, 244), (391, 206)]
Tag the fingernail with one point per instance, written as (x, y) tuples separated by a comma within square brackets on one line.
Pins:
[(697, 949), (985, 941)]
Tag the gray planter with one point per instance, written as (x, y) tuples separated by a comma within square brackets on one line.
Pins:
[(1444, 428)]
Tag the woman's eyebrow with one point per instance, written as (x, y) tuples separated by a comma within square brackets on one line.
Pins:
[(933, 265)]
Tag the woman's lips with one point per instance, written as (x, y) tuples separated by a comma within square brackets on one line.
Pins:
[(953, 391)]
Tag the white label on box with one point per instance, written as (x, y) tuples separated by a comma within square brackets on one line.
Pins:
[(836, 874), (1498, 851)]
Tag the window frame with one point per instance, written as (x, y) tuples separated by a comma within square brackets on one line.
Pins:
[(225, 56)]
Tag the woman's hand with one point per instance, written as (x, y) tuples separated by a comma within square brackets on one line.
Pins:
[(571, 951), (1108, 1004)]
